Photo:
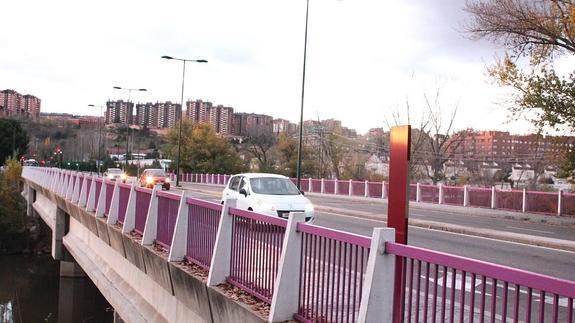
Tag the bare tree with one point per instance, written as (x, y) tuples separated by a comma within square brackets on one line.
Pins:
[(260, 146)]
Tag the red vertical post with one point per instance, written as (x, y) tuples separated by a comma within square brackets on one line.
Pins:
[(398, 205)]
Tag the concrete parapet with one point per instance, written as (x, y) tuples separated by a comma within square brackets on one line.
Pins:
[(157, 268), (191, 291), (134, 253), (116, 240), (224, 309)]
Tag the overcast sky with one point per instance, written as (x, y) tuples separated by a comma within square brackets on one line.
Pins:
[(365, 57)]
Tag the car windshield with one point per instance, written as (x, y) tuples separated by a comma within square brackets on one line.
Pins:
[(114, 171), (156, 172), (273, 186)]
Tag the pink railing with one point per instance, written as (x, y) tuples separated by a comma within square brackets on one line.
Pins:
[(304, 184), (109, 194), (568, 204), (256, 249), (429, 193), (329, 186), (375, 189), (331, 274), (123, 205), (413, 192), (541, 202), (509, 200), (358, 188), (143, 197), (342, 187), (168, 206), (203, 222), (98, 189), (444, 288), (479, 196), (88, 183), (316, 185), (453, 195)]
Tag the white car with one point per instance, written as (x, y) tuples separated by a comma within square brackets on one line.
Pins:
[(269, 194), (115, 174)]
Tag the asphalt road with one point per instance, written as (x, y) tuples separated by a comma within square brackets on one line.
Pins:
[(537, 259)]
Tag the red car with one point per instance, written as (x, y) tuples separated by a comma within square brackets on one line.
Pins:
[(151, 177)]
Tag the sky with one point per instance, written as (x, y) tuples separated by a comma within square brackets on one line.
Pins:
[(365, 58)]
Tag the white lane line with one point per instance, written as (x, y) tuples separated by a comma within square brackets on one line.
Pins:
[(533, 230)]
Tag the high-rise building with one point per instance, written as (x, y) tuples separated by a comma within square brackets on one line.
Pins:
[(251, 124), (119, 112), (198, 111), (220, 119), (157, 115), (282, 125), (14, 104)]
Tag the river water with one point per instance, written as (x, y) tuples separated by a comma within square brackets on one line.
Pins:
[(31, 290)]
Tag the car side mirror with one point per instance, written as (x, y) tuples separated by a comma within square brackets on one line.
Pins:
[(244, 192), (301, 191)]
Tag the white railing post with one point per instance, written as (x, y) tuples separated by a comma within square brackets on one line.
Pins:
[(465, 196), (322, 189), (114, 204), (83, 196), (417, 193), (493, 198), (287, 284), (524, 201), (309, 185), (441, 196), (383, 192), (221, 257), (130, 218), (101, 208), (366, 189), (377, 296), (350, 190), (559, 202), (70, 188), (336, 187), (151, 227), (76, 191), (179, 245), (212, 178), (91, 199)]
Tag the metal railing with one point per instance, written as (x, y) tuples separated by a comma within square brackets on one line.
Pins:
[(445, 288), (256, 248), (331, 274), (203, 222), (329, 285), (168, 207)]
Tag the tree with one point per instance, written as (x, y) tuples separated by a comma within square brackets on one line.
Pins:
[(11, 203), (540, 31), (13, 139), (259, 146), (203, 151), (286, 148)]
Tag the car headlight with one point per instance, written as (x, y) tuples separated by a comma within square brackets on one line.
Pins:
[(167, 180), (309, 208), (123, 176), (149, 180)]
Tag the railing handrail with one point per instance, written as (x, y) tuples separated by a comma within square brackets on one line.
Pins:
[(143, 190), (258, 217), (202, 203), (334, 234), (169, 195), (500, 272)]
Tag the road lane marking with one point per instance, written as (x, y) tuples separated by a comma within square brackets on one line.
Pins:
[(533, 230)]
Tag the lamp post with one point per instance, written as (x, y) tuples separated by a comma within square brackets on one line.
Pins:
[(183, 60), (127, 121), (99, 137), (299, 151)]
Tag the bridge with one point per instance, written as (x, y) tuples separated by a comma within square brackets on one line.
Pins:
[(166, 257)]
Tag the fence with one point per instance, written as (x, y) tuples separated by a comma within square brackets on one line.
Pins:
[(510, 200), (329, 282), (255, 253), (123, 205), (331, 274)]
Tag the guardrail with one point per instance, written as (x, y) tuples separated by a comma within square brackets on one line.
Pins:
[(548, 203), (312, 273)]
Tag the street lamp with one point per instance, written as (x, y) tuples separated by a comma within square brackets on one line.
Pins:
[(99, 137), (182, 110), (299, 151), (127, 121)]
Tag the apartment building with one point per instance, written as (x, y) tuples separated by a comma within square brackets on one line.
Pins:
[(251, 124), (119, 112), (157, 115), (14, 104)]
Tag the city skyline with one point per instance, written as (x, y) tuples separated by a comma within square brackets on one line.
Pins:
[(365, 58)]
